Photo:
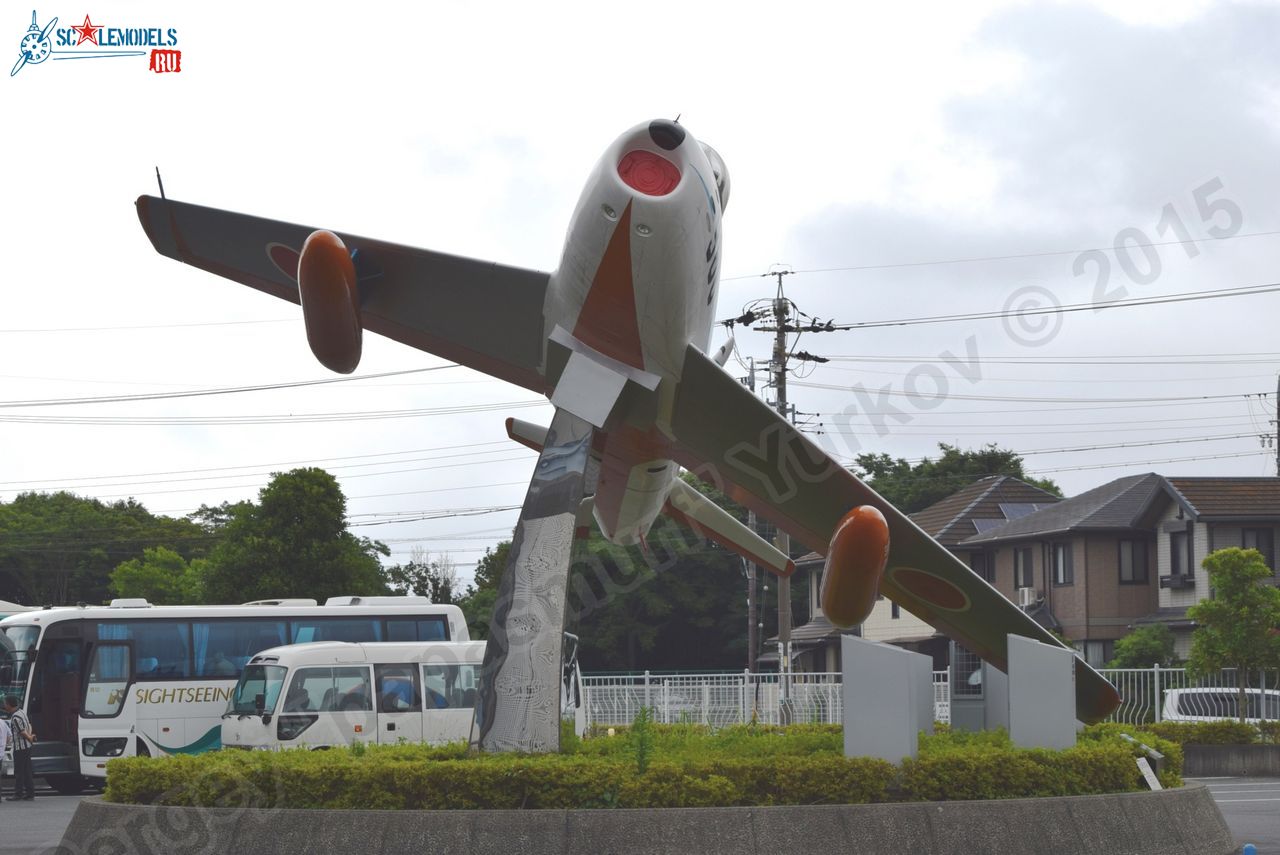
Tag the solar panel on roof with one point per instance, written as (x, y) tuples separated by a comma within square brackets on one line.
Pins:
[(1017, 510), (984, 526)]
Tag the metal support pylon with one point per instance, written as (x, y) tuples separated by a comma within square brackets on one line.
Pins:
[(518, 708)]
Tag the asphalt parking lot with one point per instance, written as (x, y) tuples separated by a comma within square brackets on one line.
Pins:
[(1251, 807), (37, 825)]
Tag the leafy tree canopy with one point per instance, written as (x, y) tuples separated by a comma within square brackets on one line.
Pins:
[(162, 577), (1144, 647), (1238, 627), (913, 487), (293, 542), (435, 579), (59, 548)]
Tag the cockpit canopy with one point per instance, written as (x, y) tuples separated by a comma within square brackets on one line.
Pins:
[(721, 174)]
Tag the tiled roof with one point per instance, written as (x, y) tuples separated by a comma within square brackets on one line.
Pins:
[(1228, 497), (1117, 505), (955, 518)]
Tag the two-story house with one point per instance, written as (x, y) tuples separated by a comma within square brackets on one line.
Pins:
[(1087, 563), (1195, 516)]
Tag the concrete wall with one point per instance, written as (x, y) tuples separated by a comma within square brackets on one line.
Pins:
[(1208, 761), (1171, 822)]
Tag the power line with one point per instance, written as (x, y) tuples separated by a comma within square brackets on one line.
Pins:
[(1083, 359), (986, 258), (307, 462), (152, 326), (226, 390), (1193, 458), (279, 418), (1184, 297), (1043, 400), (1111, 446)]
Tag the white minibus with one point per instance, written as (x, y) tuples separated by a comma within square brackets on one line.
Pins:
[(327, 694)]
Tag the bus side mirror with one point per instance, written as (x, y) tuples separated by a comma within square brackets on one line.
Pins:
[(259, 703)]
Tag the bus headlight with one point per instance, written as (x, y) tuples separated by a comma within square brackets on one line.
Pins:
[(112, 746), (290, 726)]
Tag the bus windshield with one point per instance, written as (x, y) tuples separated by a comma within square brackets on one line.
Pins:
[(265, 680), (17, 652)]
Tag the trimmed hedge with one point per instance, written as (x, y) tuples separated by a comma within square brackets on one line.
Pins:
[(378, 780), (1224, 732), (686, 766)]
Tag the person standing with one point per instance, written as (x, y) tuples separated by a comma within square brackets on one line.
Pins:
[(6, 738), (24, 785)]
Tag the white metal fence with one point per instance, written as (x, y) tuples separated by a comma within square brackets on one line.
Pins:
[(1157, 694), (718, 700)]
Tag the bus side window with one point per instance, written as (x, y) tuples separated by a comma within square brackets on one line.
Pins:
[(397, 689)]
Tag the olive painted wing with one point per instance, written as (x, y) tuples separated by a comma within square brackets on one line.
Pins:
[(479, 314), (729, 437)]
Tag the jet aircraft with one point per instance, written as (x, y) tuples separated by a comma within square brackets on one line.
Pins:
[(618, 338)]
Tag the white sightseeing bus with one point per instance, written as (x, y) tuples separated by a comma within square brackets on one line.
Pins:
[(113, 681), (330, 693)]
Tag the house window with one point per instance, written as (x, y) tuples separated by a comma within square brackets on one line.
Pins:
[(895, 612), (1133, 562), (979, 563), (1062, 570), (1022, 577), (966, 674), (1261, 539), (1097, 653), (1180, 553)]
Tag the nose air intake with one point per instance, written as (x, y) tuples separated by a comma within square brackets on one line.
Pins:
[(668, 135)]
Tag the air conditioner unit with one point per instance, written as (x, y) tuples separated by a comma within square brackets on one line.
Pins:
[(1027, 597)]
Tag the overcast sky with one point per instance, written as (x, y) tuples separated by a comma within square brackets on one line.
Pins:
[(861, 144)]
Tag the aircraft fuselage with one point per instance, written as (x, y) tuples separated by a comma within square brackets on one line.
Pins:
[(637, 284)]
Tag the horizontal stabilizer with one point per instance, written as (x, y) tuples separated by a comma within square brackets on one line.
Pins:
[(690, 508), (686, 505), (527, 433)]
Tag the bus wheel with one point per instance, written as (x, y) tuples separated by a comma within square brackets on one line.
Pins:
[(67, 785), (142, 750)]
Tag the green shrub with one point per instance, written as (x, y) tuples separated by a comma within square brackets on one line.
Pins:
[(686, 765), (641, 739), (1224, 732), (990, 773), (1170, 775)]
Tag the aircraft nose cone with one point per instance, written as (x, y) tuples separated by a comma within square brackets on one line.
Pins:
[(667, 134)]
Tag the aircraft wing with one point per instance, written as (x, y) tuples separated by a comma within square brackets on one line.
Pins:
[(729, 437), (482, 315)]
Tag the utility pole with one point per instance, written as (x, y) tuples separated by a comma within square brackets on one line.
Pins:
[(1277, 424), (753, 630), (781, 311)]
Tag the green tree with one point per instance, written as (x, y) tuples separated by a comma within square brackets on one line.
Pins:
[(914, 487), (437, 579), (1144, 647), (59, 548), (293, 542), (162, 577), (477, 603), (1237, 627)]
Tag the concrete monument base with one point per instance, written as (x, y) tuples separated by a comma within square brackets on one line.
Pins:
[(1170, 822)]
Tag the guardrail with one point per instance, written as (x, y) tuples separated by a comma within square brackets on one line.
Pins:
[(717, 700)]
